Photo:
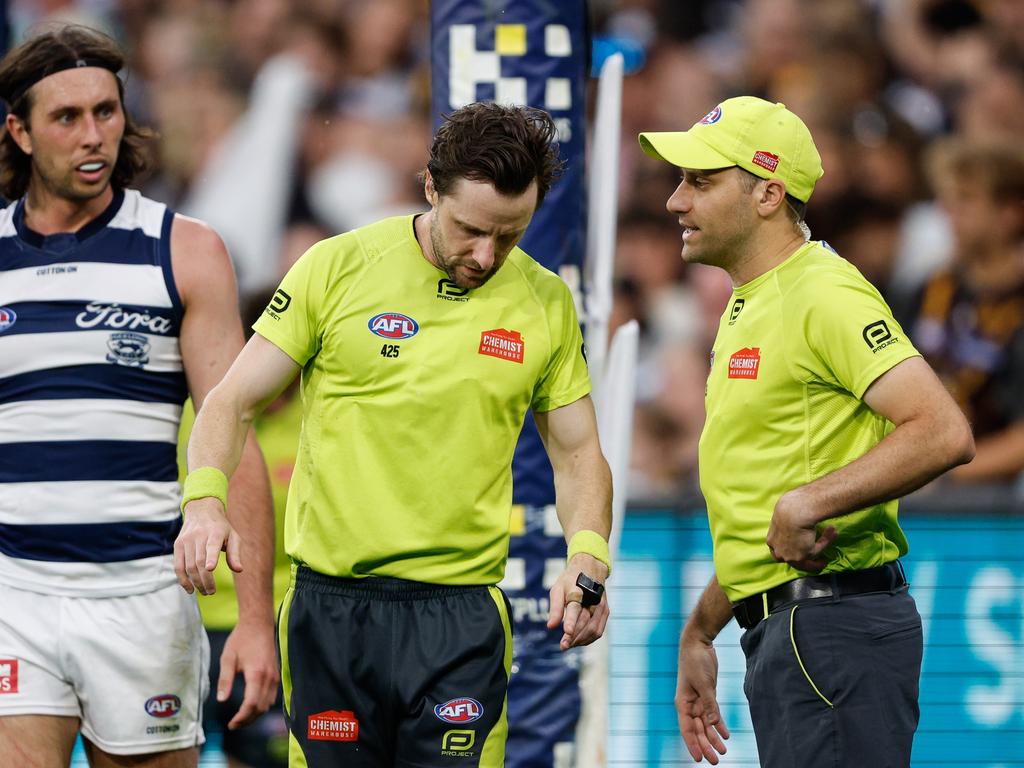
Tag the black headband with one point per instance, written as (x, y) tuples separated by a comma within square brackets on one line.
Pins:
[(53, 68)]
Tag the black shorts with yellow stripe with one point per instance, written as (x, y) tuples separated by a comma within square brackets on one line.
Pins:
[(387, 673)]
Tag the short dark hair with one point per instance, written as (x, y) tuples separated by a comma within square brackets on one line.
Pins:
[(506, 146), (28, 63)]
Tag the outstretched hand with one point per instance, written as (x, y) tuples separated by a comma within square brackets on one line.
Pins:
[(793, 537), (197, 549)]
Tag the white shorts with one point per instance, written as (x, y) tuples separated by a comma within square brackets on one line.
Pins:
[(133, 669)]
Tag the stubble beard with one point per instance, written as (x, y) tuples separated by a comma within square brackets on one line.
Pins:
[(444, 263), (721, 250), (65, 188)]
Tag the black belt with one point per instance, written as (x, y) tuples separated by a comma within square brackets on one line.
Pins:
[(885, 578)]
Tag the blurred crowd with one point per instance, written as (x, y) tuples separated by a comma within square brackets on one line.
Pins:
[(284, 121)]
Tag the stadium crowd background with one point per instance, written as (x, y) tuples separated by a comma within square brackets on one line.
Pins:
[(283, 121)]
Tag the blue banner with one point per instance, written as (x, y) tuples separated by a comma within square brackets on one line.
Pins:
[(533, 52), (5, 28), (967, 577)]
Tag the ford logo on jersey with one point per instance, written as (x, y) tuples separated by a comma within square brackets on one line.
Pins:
[(165, 705), (392, 325), (459, 711)]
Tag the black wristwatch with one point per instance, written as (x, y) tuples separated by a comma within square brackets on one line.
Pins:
[(592, 590)]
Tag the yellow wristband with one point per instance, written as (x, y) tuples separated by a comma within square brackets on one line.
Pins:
[(205, 482), (590, 543)]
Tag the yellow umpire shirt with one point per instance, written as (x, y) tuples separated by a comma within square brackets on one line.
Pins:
[(414, 393), (796, 349)]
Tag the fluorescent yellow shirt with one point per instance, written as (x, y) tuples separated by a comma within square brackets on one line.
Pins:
[(796, 349), (414, 394)]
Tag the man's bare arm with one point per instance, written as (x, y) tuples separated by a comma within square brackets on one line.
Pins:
[(258, 375), (583, 499), (930, 437), (700, 721)]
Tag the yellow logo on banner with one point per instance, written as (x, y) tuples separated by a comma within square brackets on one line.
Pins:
[(470, 67)]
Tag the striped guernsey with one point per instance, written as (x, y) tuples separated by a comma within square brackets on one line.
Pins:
[(91, 389)]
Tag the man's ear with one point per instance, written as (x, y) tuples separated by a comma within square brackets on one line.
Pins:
[(428, 189), (19, 132), (773, 196)]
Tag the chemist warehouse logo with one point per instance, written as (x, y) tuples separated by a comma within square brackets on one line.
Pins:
[(333, 726), (503, 344), (878, 336), (745, 363), (8, 675)]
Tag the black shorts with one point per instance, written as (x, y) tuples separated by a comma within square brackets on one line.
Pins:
[(384, 672)]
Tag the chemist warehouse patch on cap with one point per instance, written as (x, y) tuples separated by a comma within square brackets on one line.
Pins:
[(745, 363)]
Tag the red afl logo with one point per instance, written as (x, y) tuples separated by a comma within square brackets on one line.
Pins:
[(459, 711), (391, 325), (713, 116), (166, 705), (7, 318)]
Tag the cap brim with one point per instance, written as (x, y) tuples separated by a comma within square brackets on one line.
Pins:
[(683, 149)]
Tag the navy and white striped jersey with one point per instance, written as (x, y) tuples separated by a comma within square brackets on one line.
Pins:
[(91, 390)]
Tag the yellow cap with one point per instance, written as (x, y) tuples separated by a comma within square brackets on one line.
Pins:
[(761, 137)]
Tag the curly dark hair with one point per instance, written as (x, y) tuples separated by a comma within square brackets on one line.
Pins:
[(506, 146), (49, 52)]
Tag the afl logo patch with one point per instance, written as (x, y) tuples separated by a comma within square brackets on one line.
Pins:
[(712, 117), (392, 325), (7, 318), (463, 710), (165, 705)]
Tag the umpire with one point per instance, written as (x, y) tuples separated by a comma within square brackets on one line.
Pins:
[(820, 413)]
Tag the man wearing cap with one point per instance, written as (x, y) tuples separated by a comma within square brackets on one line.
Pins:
[(820, 413), (112, 311)]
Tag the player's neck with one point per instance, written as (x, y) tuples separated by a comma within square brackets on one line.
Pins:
[(763, 254), (49, 214), (421, 227)]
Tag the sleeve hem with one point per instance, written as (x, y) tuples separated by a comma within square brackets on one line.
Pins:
[(567, 398), (873, 373), (289, 349)]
